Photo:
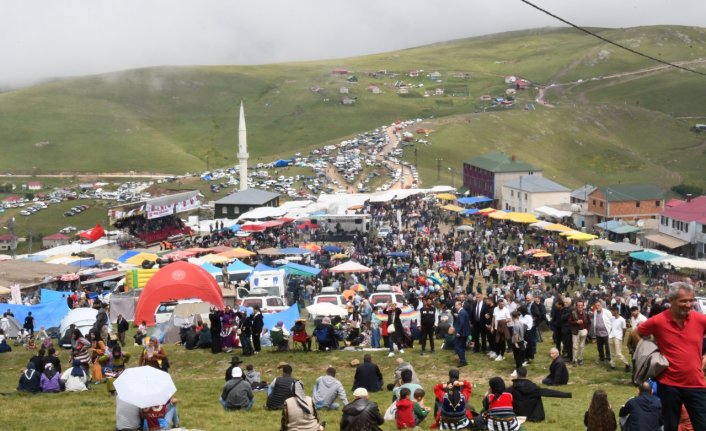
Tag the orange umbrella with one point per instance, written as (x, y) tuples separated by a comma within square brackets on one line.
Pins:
[(541, 254), (311, 247), (348, 294)]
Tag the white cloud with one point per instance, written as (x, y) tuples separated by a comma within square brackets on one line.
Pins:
[(45, 38)]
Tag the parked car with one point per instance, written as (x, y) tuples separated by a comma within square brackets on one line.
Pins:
[(267, 304), (379, 300)]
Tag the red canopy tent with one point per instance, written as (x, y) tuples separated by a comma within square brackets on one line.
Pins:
[(92, 234), (178, 280)]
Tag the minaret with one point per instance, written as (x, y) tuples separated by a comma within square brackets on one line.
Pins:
[(243, 150)]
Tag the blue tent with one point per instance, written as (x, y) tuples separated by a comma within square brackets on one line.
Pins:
[(85, 263), (473, 200), (48, 295), (45, 314), (296, 269), (331, 248), (282, 163), (470, 211), (234, 228), (645, 256), (239, 267), (263, 267), (294, 250), (211, 269), (127, 255)]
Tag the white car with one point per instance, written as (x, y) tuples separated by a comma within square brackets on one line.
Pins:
[(267, 304)]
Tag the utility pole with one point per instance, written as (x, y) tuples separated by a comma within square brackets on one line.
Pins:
[(438, 169)]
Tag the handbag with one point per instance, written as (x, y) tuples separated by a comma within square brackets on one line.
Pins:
[(391, 412), (390, 329)]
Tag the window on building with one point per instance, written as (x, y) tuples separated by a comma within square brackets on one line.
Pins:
[(525, 196), (637, 204), (512, 193), (686, 227), (703, 230), (594, 202), (658, 203), (601, 204)]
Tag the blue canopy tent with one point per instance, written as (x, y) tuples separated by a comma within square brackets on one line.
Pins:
[(127, 255), (331, 248), (210, 268), (294, 250), (470, 211), (85, 263), (263, 267), (282, 163), (234, 228), (238, 267), (646, 256), (473, 200), (296, 269)]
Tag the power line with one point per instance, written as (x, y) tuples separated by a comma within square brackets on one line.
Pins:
[(686, 69)]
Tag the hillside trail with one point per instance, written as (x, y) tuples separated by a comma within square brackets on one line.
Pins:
[(644, 71)]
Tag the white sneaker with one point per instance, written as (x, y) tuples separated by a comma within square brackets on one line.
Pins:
[(524, 364), (492, 355), (391, 354), (499, 358), (513, 375), (401, 351)]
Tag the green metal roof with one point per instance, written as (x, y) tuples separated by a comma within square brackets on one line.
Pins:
[(498, 163), (632, 192)]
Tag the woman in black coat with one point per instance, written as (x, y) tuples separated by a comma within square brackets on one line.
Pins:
[(215, 319), (30, 380)]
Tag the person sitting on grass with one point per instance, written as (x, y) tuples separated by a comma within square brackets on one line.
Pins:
[(29, 380), (253, 377), (49, 380), (237, 393), (527, 396), (164, 417), (299, 412), (420, 410), (498, 407), (281, 388), (326, 389), (600, 415), (361, 414), (558, 373), (404, 416), (75, 378)]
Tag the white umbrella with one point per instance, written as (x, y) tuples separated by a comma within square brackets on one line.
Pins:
[(350, 266), (464, 227), (326, 309), (145, 387)]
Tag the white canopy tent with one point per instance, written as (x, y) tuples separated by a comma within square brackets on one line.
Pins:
[(552, 212)]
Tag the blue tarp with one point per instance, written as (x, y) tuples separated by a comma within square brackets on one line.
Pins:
[(239, 267), (234, 228), (211, 269), (85, 263), (298, 269), (282, 163), (645, 256), (473, 200), (331, 248), (35, 257), (470, 211), (46, 314), (48, 295), (294, 250), (288, 316), (127, 255)]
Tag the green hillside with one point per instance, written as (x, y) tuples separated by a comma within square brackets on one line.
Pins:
[(184, 119)]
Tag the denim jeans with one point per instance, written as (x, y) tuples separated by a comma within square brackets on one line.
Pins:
[(333, 406), (248, 407)]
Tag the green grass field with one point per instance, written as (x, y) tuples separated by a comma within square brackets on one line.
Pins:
[(178, 120), (198, 376)]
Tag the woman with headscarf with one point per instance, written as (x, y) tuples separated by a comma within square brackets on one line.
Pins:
[(80, 349), (49, 380), (497, 407), (75, 377), (97, 350), (114, 364), (299, 412), (153, 355), (452, 412), (228, 330), (29, 380)]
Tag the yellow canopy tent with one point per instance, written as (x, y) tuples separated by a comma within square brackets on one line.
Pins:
[(570, 232), (582, 237), (339, 256), (519, 217), (498, 215), (446, 197), (542, 254), (486, 210), (454, 208), (556, 227), (138, 258)]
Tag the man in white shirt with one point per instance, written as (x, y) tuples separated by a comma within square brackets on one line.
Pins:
[(500, 314), (615, 342), (636, 317)]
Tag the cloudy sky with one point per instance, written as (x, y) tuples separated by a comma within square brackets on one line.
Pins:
[(48, 38)]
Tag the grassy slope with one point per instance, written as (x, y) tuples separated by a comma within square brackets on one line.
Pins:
[(199, 378), (174, 119)]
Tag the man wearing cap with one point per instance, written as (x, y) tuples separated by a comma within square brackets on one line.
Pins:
[(234, 363), (361, 414), (368, 375), (237, 393), (281, 388)]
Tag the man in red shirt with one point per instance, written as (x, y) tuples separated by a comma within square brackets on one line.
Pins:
[(679, 334)]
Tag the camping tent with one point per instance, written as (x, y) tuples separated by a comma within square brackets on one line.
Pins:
[(10, 326), (178, 280), (83, 318)]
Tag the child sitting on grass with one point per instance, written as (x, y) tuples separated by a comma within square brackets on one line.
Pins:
[(405, 411), (253, 377), (420, 410)]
